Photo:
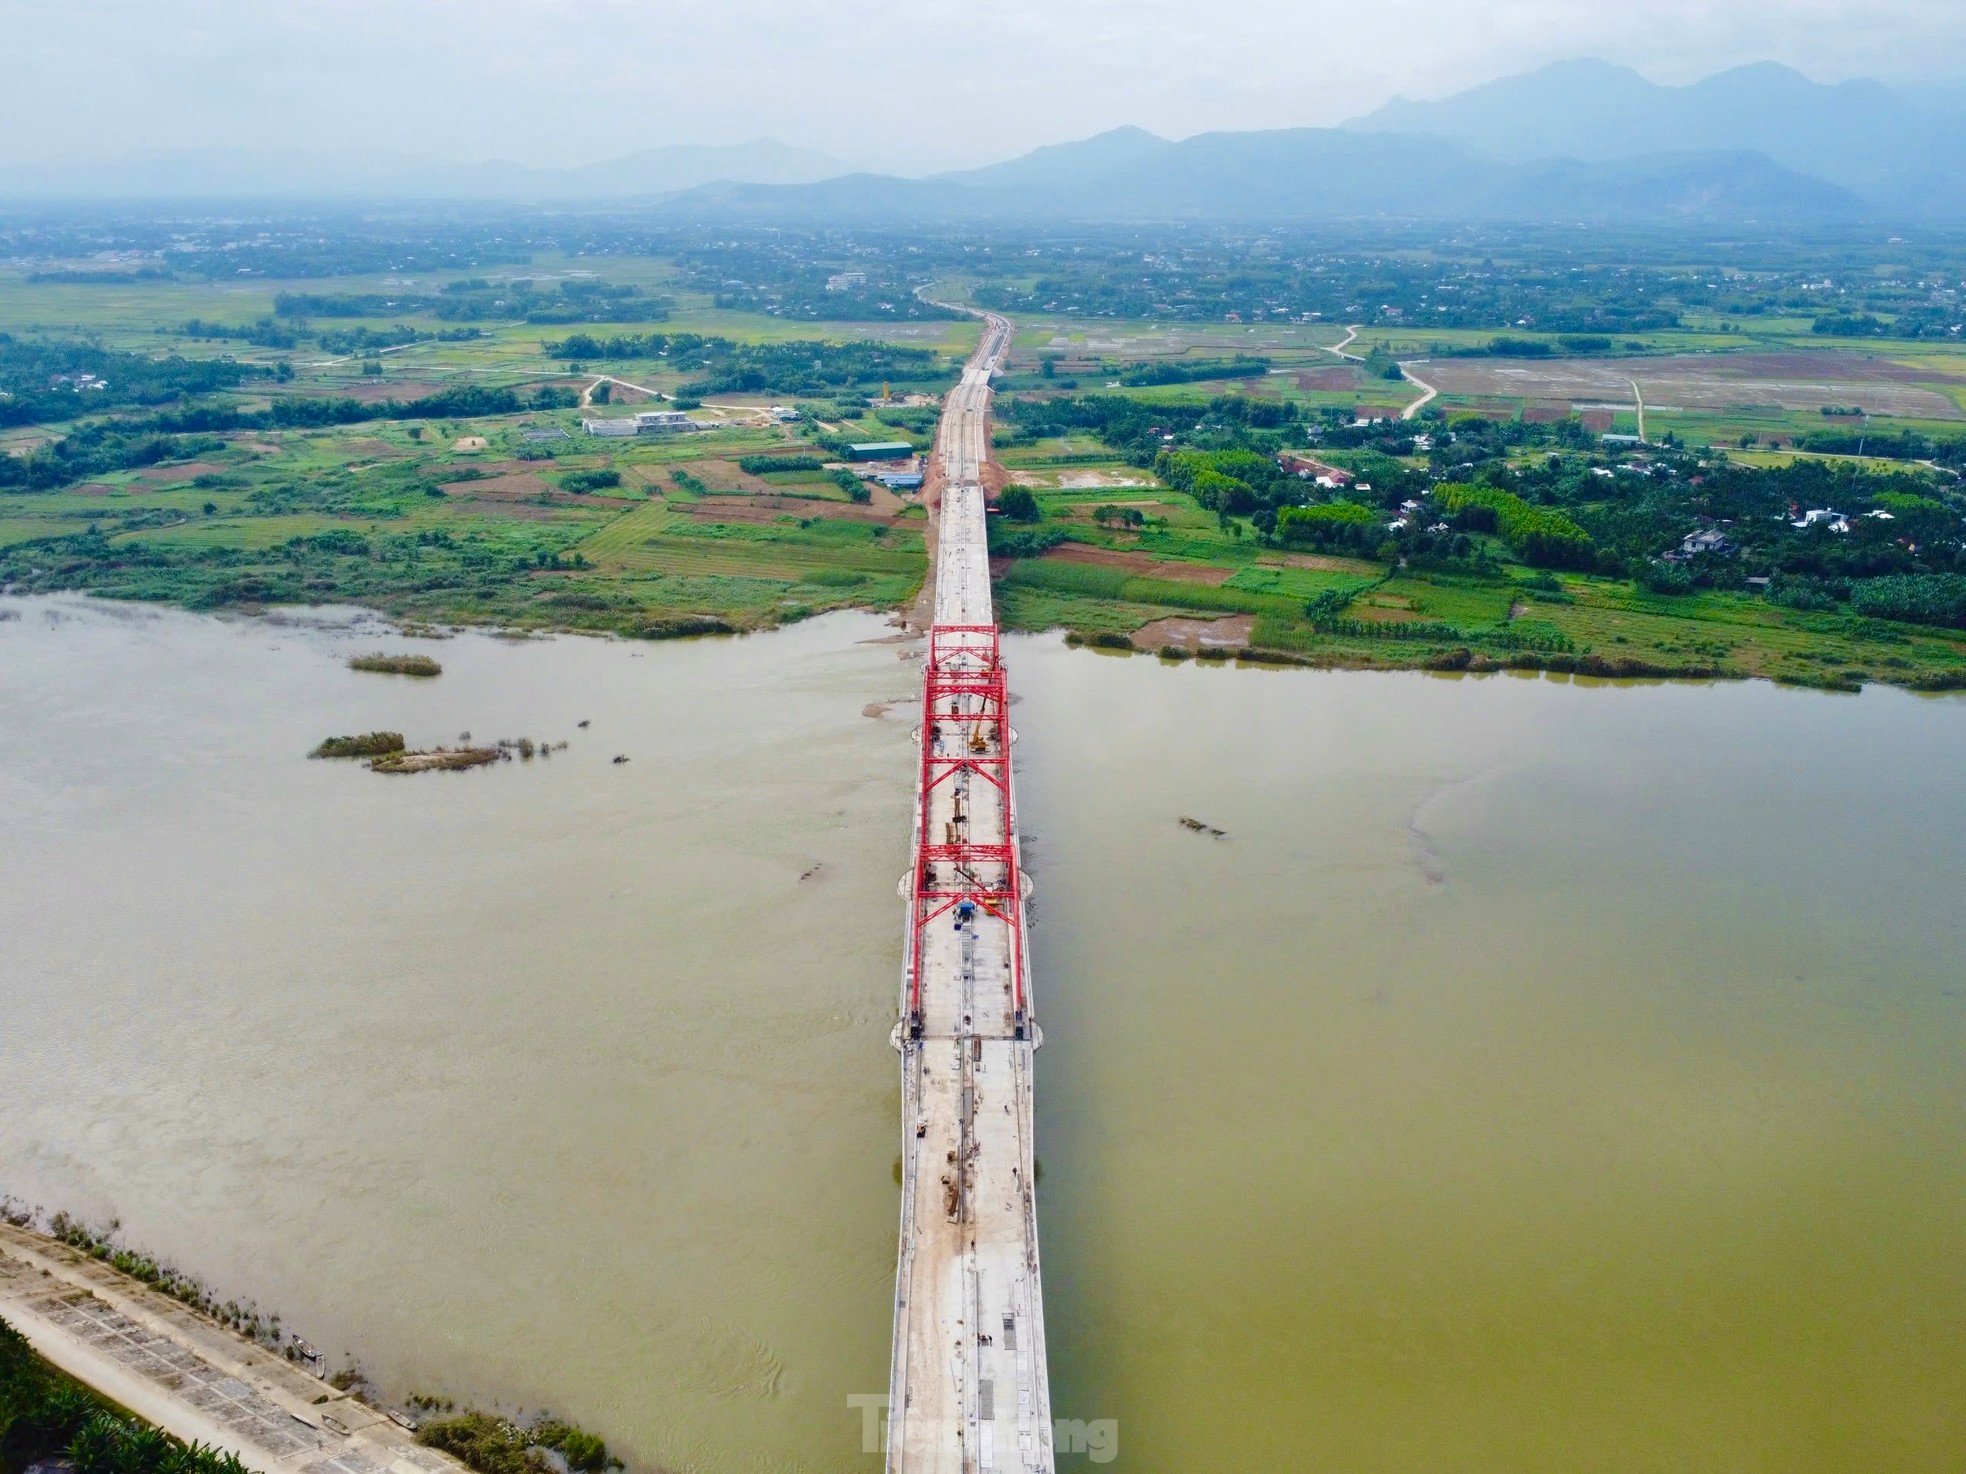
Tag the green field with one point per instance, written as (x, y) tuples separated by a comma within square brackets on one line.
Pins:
[(499, 517), (1592, 625)]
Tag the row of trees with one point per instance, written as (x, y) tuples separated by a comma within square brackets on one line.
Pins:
[(474, 299), (1540, 536), (42, 379), (802, 368)]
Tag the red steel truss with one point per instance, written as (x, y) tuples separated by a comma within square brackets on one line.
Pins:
[(965, 729)]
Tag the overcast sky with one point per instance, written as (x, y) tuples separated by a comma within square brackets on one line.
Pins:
[(886, 83)]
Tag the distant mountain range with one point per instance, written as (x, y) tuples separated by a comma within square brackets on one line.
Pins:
[(1896, 153), (1576, 141), (1296, 174), (290, 174)]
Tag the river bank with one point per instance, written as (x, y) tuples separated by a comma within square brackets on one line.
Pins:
[(182, 1372)]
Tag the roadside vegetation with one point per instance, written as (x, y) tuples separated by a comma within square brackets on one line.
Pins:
[(44, 1416)]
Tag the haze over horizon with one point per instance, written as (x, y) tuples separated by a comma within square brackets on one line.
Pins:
[(541, 82)]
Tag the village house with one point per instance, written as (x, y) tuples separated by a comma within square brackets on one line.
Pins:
[(1308, 467), (1707, 540)]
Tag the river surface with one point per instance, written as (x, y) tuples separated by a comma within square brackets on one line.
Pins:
[(1539, 1076)]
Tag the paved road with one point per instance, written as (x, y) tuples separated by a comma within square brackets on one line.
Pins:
[(969, 1388), (1425, 399), (190, 1376)]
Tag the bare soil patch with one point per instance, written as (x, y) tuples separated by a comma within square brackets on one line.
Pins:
[(1099, 480), (1321, 563), (622, 394), (1798, 380), (1231, 632), (371, 448), (512, 511), (771, 508), (407, 391), (510, 486), (994, 477), (1335, 378), (725, 476), (1140, 563), (734, 509), (173, 475)]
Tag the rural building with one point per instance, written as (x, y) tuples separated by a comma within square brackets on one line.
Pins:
[(880, 450), (1623, 439), (1298, 464), (784, 414), (1708, 540), (662, 422), (846, 281), (900, 480), (610, 428), (1836, 521)]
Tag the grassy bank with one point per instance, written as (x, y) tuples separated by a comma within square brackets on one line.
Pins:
[(1119, 587)]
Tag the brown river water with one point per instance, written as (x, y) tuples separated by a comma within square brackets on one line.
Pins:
[(1539, 1075)]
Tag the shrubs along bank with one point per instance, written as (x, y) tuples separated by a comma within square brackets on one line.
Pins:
[(368, 744), (44, 1415), (397, 665), (497, 1445)]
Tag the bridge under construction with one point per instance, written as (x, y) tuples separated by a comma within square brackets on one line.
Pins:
[(969, 1389)]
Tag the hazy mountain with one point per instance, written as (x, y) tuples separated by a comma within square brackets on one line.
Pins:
[(1861, 135), (1062, 165), (1300, 174), (1582, 140), (261, 174), (652, 171)]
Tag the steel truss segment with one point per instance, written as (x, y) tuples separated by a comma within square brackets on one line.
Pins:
[(978, 765), (965, 669), (965, 683), (951, 899), (1000, 854), (963, 642)]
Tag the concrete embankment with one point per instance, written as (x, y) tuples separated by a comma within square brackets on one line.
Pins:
[(189, 1375)]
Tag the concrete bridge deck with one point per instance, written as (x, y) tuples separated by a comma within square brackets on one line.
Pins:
[(969, 1389)]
